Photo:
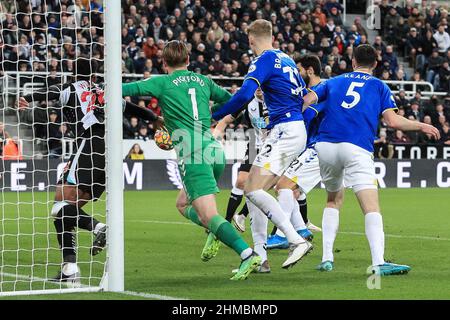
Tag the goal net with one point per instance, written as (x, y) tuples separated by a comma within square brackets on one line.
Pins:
[(41, 46)]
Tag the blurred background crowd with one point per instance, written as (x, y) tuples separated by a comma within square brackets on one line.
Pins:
[(412, 43)]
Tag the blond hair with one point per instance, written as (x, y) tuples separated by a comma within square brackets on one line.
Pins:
[(175, 53), (260, 28)]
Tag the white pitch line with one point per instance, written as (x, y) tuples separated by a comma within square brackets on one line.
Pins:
[(341, 232), (150, 295), (398, 236), (129, 293)]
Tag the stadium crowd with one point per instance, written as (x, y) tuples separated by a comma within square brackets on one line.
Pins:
[(50, 35)]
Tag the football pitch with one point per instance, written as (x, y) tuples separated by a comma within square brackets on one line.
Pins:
[(162, 252)]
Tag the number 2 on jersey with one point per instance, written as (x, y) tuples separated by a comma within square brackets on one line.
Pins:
[(191, 92), (351, 92)]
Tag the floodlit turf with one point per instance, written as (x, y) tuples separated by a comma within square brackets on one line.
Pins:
[(163, 253)]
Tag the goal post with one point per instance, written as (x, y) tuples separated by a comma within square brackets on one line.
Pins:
[(114, 180), (33, 57)]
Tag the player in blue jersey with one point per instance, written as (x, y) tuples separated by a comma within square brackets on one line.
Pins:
[(304, 173), (353, 104), (277, 75)]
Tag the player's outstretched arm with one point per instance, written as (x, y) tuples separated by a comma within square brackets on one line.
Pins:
[(240, 98), (395, 121), (131, 109), (153, 86), (52, 93)]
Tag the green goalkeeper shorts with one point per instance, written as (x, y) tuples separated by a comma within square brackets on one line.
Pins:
[(201, 174)]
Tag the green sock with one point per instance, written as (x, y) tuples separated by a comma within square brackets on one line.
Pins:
[(192, 215), (227, 234)]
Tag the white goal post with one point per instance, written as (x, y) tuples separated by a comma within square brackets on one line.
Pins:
[(114, 182), (29, 251)]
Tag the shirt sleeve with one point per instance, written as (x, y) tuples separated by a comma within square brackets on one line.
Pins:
[(243, 96), (321, 91), (153, 86), (387, 99), (317, 107), (54, 92), (261, 69)]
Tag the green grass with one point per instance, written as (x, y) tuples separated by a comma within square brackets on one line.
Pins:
[(163, 251)]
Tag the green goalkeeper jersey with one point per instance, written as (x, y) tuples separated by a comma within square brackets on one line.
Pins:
[(184, 98)]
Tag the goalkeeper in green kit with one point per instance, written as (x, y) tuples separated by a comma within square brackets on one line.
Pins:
[(184, 99)]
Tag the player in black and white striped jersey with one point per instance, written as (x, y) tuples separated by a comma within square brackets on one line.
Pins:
[(82, 105), (257, 116)]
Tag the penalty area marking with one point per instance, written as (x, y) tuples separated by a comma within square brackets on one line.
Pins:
[(339, 232), (128, 293)]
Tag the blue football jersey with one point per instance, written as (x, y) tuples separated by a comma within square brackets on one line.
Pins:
[(352, 106), (277, 75), (312, 128)]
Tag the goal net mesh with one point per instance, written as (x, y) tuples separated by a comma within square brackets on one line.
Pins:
[(40, 44)]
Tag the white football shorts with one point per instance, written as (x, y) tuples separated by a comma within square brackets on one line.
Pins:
[(305, 171), (283, 144), (345, 163)]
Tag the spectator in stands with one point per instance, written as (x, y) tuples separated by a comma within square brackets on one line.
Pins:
[(400, 36), (442, 38), (391, 58), (12, 149), (153, 105), (424, 138), (415, 111), (438, 113), (391, 21), (400, 99), (135, 153), (444, 77), (445, 134), (3, 136), (130, 128), (383, 149), (434, 64), (400, 137), (143, 133), (442, 121), (429, 43), (414, 46)]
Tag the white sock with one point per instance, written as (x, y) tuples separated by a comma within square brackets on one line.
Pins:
[(271, 208), (330, 225), (296, 218), (258, 224), (285, 197), (98, 226), (375, 236), (246, 253), (237, 191), (69, 268)]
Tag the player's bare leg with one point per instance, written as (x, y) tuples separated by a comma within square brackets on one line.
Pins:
[(68, 214), (368, 200), (330, 226), (259, 181)]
